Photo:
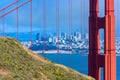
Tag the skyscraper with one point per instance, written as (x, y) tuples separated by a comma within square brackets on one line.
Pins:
[(38, 36)]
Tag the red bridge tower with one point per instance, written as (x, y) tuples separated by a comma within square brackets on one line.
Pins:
[(107, 61)]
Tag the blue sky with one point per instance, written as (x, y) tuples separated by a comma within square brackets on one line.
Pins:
[(77, 12)]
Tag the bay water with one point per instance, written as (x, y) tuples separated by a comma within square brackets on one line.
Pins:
[(77, 62)]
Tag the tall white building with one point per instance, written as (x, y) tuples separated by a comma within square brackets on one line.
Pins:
[(50, 40), (86, 36), (79, 36)]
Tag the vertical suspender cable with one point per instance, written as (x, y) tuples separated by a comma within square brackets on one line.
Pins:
[(17, 21), (84, 18), (44, 25), (70, 26), (3, 26), (80, 24), (117, 18), (31, 21), (71, 30), (71, 20), (81, 21), (57, 26), (117, 22)]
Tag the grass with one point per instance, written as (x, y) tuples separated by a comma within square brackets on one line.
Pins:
[(19, 63)]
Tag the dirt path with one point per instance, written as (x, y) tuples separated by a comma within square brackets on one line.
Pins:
[(5, 73)]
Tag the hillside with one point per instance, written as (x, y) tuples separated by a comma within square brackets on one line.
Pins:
[(19, 63)]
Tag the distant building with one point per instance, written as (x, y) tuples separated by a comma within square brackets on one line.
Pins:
[(79, 36), (54, 40), (86, 36), (50, 40), (62, 35), (38, 37), (75, 34), (65, 36)]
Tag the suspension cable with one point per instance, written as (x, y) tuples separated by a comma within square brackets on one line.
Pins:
[(3, 27), (57, 27), (17, 22), (70, 21), (84, 19), (117, 14), (70, 27), (44, 26), (81, 19), (31, 22)]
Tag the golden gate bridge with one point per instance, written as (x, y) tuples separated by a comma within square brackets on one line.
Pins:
[(96, 60)]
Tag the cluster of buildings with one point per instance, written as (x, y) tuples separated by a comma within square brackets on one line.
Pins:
[(63, 38), (76, 43)]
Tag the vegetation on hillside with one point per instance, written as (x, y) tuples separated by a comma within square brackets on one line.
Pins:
[(19, 63)]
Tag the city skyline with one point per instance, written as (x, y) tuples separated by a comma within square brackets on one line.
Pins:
[(53, 27), (51, 16)]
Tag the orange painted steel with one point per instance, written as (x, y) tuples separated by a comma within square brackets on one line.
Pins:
[(9, 5), (44, 19), (107, 61), (58, 28), (21, 5)]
